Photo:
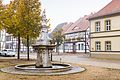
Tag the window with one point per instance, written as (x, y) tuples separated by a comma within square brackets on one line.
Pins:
[(98, 46), (108, 46), (79, 46), (82, 46), (108, 25), (8, 45), (75, 28), (97, 26), (8, 38)]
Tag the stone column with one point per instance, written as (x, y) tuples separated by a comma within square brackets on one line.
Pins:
[(39, 58), (46, 59)]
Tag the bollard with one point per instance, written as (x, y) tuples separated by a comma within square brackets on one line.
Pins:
[(60, 60)]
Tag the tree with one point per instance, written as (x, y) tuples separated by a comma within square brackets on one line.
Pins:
[(2, 9), (29, 16), (57, 38), (22, 19), (11, 22), (31, 42)]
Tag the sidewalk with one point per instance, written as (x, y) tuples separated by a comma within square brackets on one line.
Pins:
[(86, 60)]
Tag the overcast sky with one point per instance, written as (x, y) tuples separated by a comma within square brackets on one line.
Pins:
[(60, 11)]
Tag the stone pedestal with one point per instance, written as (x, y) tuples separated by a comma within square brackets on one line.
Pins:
[(46, 59), (39, 59), (43, 55)]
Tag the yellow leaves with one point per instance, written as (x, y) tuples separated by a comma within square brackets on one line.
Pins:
[(23, 16), (1, 14)]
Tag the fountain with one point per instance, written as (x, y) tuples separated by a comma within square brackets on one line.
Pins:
[(44, 49), (43, 46), (43, 65)]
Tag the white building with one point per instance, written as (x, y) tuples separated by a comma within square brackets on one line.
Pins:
[(77, 36), (9, 42)]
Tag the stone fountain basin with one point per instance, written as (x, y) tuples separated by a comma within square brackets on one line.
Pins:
[(56, 67)]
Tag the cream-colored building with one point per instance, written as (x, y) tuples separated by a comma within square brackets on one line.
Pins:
[(105, 32)]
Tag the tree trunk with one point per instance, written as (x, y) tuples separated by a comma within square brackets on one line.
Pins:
[(63, 47), (58, 49), (18, 57), (28, 47)]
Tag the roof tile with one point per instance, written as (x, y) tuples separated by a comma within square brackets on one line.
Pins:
[(111, 8), (66, 27), (80, 25)]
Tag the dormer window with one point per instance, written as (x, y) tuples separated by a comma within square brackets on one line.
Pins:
[(75, 28)]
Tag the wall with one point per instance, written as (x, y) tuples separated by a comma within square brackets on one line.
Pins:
[(102, 36)]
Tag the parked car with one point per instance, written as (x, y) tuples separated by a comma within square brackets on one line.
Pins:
[(7, 53)]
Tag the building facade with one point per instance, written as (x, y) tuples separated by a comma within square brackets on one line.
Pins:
[(105, 31), (77, 36), (77, 42), (9, 42)]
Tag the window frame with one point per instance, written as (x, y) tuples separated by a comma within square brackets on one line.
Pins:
[(96, 47), (82, 46), (8, 38), (108, 46), (79, 46), (97, 26), (108, 26)]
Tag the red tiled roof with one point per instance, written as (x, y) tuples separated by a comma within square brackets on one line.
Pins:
[(66, 27), (80, 25), (112, 8)]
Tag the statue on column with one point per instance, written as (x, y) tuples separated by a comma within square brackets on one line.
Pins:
[(43, 45)]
